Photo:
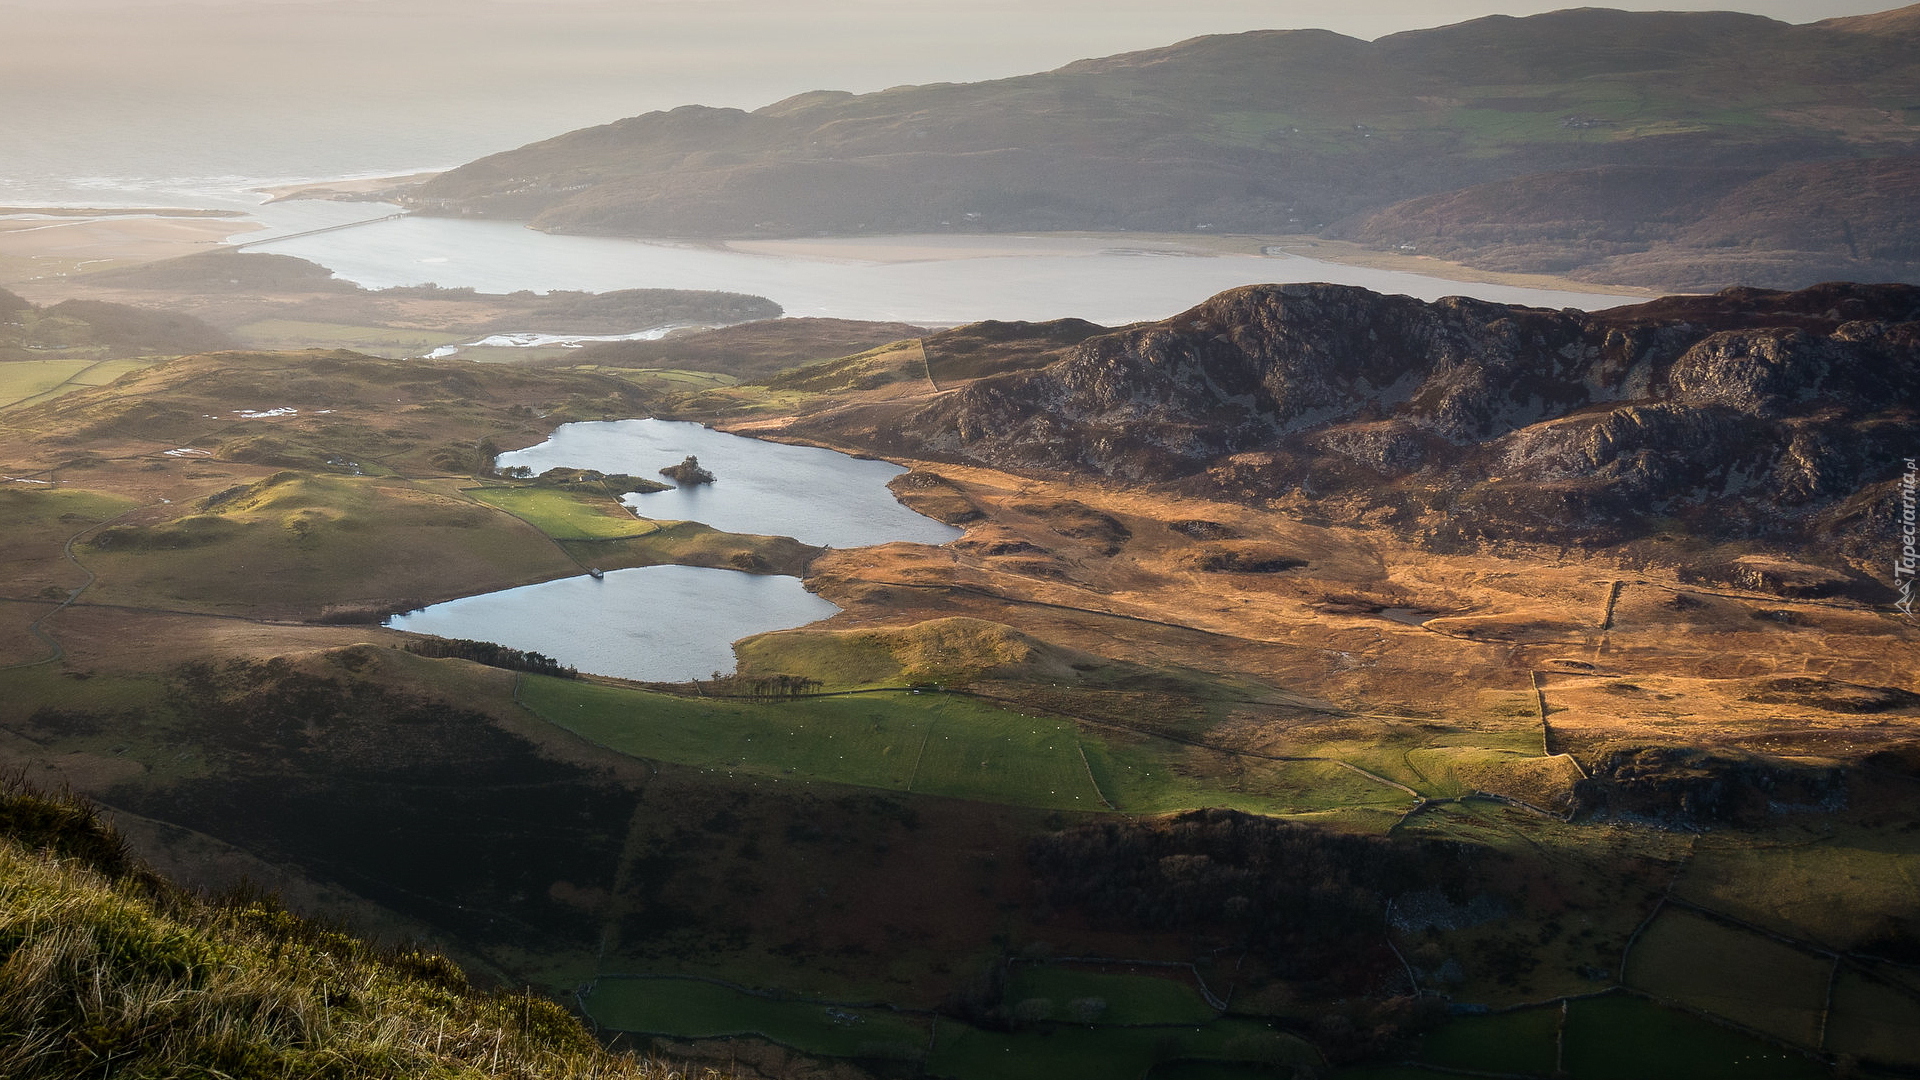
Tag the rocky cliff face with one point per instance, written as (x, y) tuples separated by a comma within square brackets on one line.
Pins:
[(1747, 412)]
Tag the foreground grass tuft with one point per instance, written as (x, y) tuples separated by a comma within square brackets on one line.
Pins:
[(107, 970)]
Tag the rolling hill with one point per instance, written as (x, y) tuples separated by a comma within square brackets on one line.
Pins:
[(1677, 150)]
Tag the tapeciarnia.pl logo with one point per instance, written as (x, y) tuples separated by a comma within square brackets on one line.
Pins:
[(1905, 565)]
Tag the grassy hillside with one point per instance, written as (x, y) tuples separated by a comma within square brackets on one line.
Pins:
[(108, 970), (280, 302), (96, 330), (1286, 132), (749, 350)]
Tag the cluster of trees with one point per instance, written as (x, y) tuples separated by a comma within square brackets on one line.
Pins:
[(689, 471), (96, 327), (492, 655), (1307, 901), (764, 686)]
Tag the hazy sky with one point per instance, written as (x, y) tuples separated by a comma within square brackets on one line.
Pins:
[(277, 88)]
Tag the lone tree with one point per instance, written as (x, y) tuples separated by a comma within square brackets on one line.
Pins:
[(687, 472)]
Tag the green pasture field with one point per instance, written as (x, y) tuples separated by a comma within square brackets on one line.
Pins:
[(1143, 775), (39, 510), (23, 380), (567, 515), (666, 378), (693, 1009), (1622, 1037), (375, 340), (930, 744), (146, 733), (1873, 1021), (1217, 1070), (307, 541), (27, 688), (684, 1008), (1073, 1052), (1747, 978), (515, 354), (26, 381), (1130, 999), (839, 661), (1521, 1041), (951, 745), (1787, 883)]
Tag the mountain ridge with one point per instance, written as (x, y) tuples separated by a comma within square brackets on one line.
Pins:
[(1284, 132)]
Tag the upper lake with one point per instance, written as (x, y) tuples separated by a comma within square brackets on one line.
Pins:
[(941, 280), (815, 496)]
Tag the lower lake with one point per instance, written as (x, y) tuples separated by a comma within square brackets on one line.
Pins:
[(816, 496), (657, 623)]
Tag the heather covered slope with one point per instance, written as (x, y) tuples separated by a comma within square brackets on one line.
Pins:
[(1307, 131)]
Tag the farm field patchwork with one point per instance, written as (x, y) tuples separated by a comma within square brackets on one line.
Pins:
[(1743, 976), (23, 382)]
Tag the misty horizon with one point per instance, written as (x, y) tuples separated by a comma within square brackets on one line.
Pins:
[(188, 96)]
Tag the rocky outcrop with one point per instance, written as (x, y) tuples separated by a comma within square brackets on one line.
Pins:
[(1749, 412), (1691, 788)]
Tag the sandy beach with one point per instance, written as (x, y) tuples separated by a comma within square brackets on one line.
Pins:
[(33, 248), (365, 188)]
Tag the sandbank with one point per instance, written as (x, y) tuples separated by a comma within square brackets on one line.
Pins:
[(363, 189), (945, 247), (34, 248)]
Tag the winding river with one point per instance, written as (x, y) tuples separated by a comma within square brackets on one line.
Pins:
[(931, 280)]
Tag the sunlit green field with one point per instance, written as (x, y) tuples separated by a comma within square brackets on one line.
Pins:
[(25, 381), (375, 340), (935, 743), (930, 744), (567, 515)]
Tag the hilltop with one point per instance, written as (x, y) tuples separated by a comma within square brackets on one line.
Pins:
[(232, 298), (98, 330), (1676, 150)]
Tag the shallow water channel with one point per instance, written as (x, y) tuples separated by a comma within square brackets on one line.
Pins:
[(932, 280), (672, 623)]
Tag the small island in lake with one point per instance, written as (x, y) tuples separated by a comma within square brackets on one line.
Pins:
[(688, 472)]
